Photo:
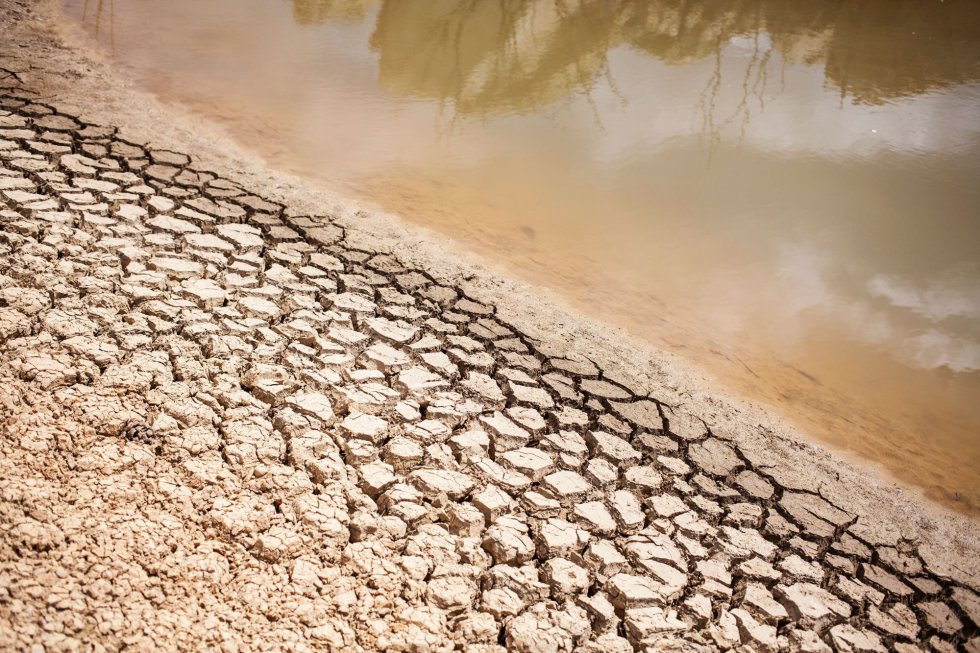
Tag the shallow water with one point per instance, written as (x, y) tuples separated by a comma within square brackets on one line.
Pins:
[(784, 192)]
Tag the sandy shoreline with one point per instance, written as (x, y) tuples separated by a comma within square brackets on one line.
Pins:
[(534, 309), (878, 513)]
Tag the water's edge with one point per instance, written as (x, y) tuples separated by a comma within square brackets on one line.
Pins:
[(81, 76)]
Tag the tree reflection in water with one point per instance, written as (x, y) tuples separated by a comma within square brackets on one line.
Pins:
[(489, 56)]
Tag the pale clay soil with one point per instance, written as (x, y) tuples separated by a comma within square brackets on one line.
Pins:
[(238, 414)]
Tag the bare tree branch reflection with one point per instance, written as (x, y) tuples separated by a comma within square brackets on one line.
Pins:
[(489, 56)]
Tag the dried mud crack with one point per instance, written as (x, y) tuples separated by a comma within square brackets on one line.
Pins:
[(226, 427)]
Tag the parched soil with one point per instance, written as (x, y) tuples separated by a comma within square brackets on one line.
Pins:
[(228, 426)]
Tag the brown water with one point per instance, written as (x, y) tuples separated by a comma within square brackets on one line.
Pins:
[(785, 192)]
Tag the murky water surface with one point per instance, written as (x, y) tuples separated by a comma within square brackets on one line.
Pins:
[(785, 191)]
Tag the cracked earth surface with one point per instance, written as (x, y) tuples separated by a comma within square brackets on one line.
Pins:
[(225, 426)]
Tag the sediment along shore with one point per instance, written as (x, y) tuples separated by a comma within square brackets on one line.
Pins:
[(228, 423)]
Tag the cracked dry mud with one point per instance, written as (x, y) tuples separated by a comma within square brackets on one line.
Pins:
[(225, 427)]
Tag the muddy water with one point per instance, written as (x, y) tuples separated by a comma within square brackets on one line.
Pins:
[(785, 192)]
